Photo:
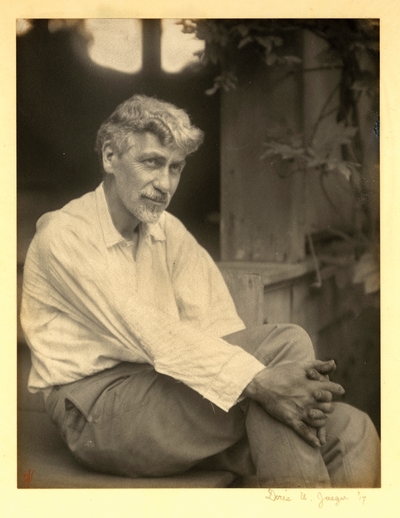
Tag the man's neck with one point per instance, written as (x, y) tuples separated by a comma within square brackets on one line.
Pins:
[(125, 223)]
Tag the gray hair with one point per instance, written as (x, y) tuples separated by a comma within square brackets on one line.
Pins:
[(141, 114)]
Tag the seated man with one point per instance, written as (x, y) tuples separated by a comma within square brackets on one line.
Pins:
[(144, 364)]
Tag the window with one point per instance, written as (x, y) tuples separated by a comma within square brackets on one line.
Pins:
[(117, 43), (177, 48)]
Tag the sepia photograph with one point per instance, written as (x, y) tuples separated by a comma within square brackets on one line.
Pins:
[(198, 253)]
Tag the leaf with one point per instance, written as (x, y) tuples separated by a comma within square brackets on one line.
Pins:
[(287, 152), (243, 30), (211, 91), (330, 137), (245, 41), (366, 271), (315, 162), (188, 26), (203, 58), (265, 41), (345, 170), (366, 266), (227, 81), (331, 165), (267, 153), (372, 283), (292, 60)]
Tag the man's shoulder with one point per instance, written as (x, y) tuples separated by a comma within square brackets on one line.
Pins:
[(175, 231), (178, 237), (76, 216), (170, 223)]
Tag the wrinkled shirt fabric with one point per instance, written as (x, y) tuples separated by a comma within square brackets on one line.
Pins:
[(90, 301)]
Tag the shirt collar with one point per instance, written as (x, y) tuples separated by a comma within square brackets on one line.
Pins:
[(111, 235)]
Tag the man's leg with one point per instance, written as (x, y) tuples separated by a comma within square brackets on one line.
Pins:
[(142, 424), (281, 457), (351, 457), (147, 424), (352, 450)]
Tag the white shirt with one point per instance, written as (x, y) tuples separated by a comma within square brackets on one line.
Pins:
[(89, 303)]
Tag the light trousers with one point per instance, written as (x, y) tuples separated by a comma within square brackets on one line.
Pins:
[(132, 421)]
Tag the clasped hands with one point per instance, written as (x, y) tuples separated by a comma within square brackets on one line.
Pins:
[(299, 395)]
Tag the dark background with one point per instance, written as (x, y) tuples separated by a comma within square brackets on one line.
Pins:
[(62, 98)]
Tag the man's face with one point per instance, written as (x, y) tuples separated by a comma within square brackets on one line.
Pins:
[(146, 175)]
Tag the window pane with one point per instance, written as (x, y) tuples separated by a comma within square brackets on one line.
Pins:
[(117, 43), (23, 26), (177, 48)]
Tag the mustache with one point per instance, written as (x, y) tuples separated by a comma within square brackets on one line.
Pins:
[(156, 196)]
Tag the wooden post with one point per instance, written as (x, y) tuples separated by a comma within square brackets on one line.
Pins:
[(262, 202), (247, 291)]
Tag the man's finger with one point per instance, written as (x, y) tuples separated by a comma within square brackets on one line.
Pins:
[(313, 374), (326, 408), (323, 367), (316, 418), (305, 433), (316, 414), (334, 388), (321, 434), (326, 367), (323, 396)]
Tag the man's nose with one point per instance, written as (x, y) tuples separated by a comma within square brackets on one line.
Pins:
[(162, 181)]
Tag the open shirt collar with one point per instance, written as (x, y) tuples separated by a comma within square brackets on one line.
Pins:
[(111, 235)]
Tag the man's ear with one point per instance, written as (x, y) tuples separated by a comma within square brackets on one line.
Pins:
[(108, 156)]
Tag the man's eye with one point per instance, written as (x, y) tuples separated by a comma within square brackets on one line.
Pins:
[(150, 161), (176, 168)]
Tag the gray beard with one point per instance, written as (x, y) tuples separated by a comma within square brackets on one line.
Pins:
[(148, 214)]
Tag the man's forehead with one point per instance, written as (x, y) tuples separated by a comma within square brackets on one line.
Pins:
[(148, 142)]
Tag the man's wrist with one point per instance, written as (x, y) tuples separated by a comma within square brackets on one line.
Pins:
[(252, 390)]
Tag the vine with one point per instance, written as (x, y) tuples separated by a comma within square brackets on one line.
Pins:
[(335, 146)]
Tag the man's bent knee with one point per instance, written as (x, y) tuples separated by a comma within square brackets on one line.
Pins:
[(284, 343), (275, 343)]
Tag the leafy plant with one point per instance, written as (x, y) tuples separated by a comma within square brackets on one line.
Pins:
[(322, 151), (225, 38), (335, 141)]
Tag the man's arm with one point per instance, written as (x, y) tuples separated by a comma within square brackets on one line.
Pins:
[(93, 293), (200, 291), (194, 261), (288, 394)]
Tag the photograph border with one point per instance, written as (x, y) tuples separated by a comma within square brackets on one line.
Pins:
[(224, 502)]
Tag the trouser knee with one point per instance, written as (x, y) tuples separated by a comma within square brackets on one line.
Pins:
[(285, 343)]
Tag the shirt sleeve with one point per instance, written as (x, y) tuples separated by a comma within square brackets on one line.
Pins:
[(93, 289), (200, 291)]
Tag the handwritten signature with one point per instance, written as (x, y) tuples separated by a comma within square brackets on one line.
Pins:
[(335, 498), (28, 477), (272, 495), (321, 498)]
